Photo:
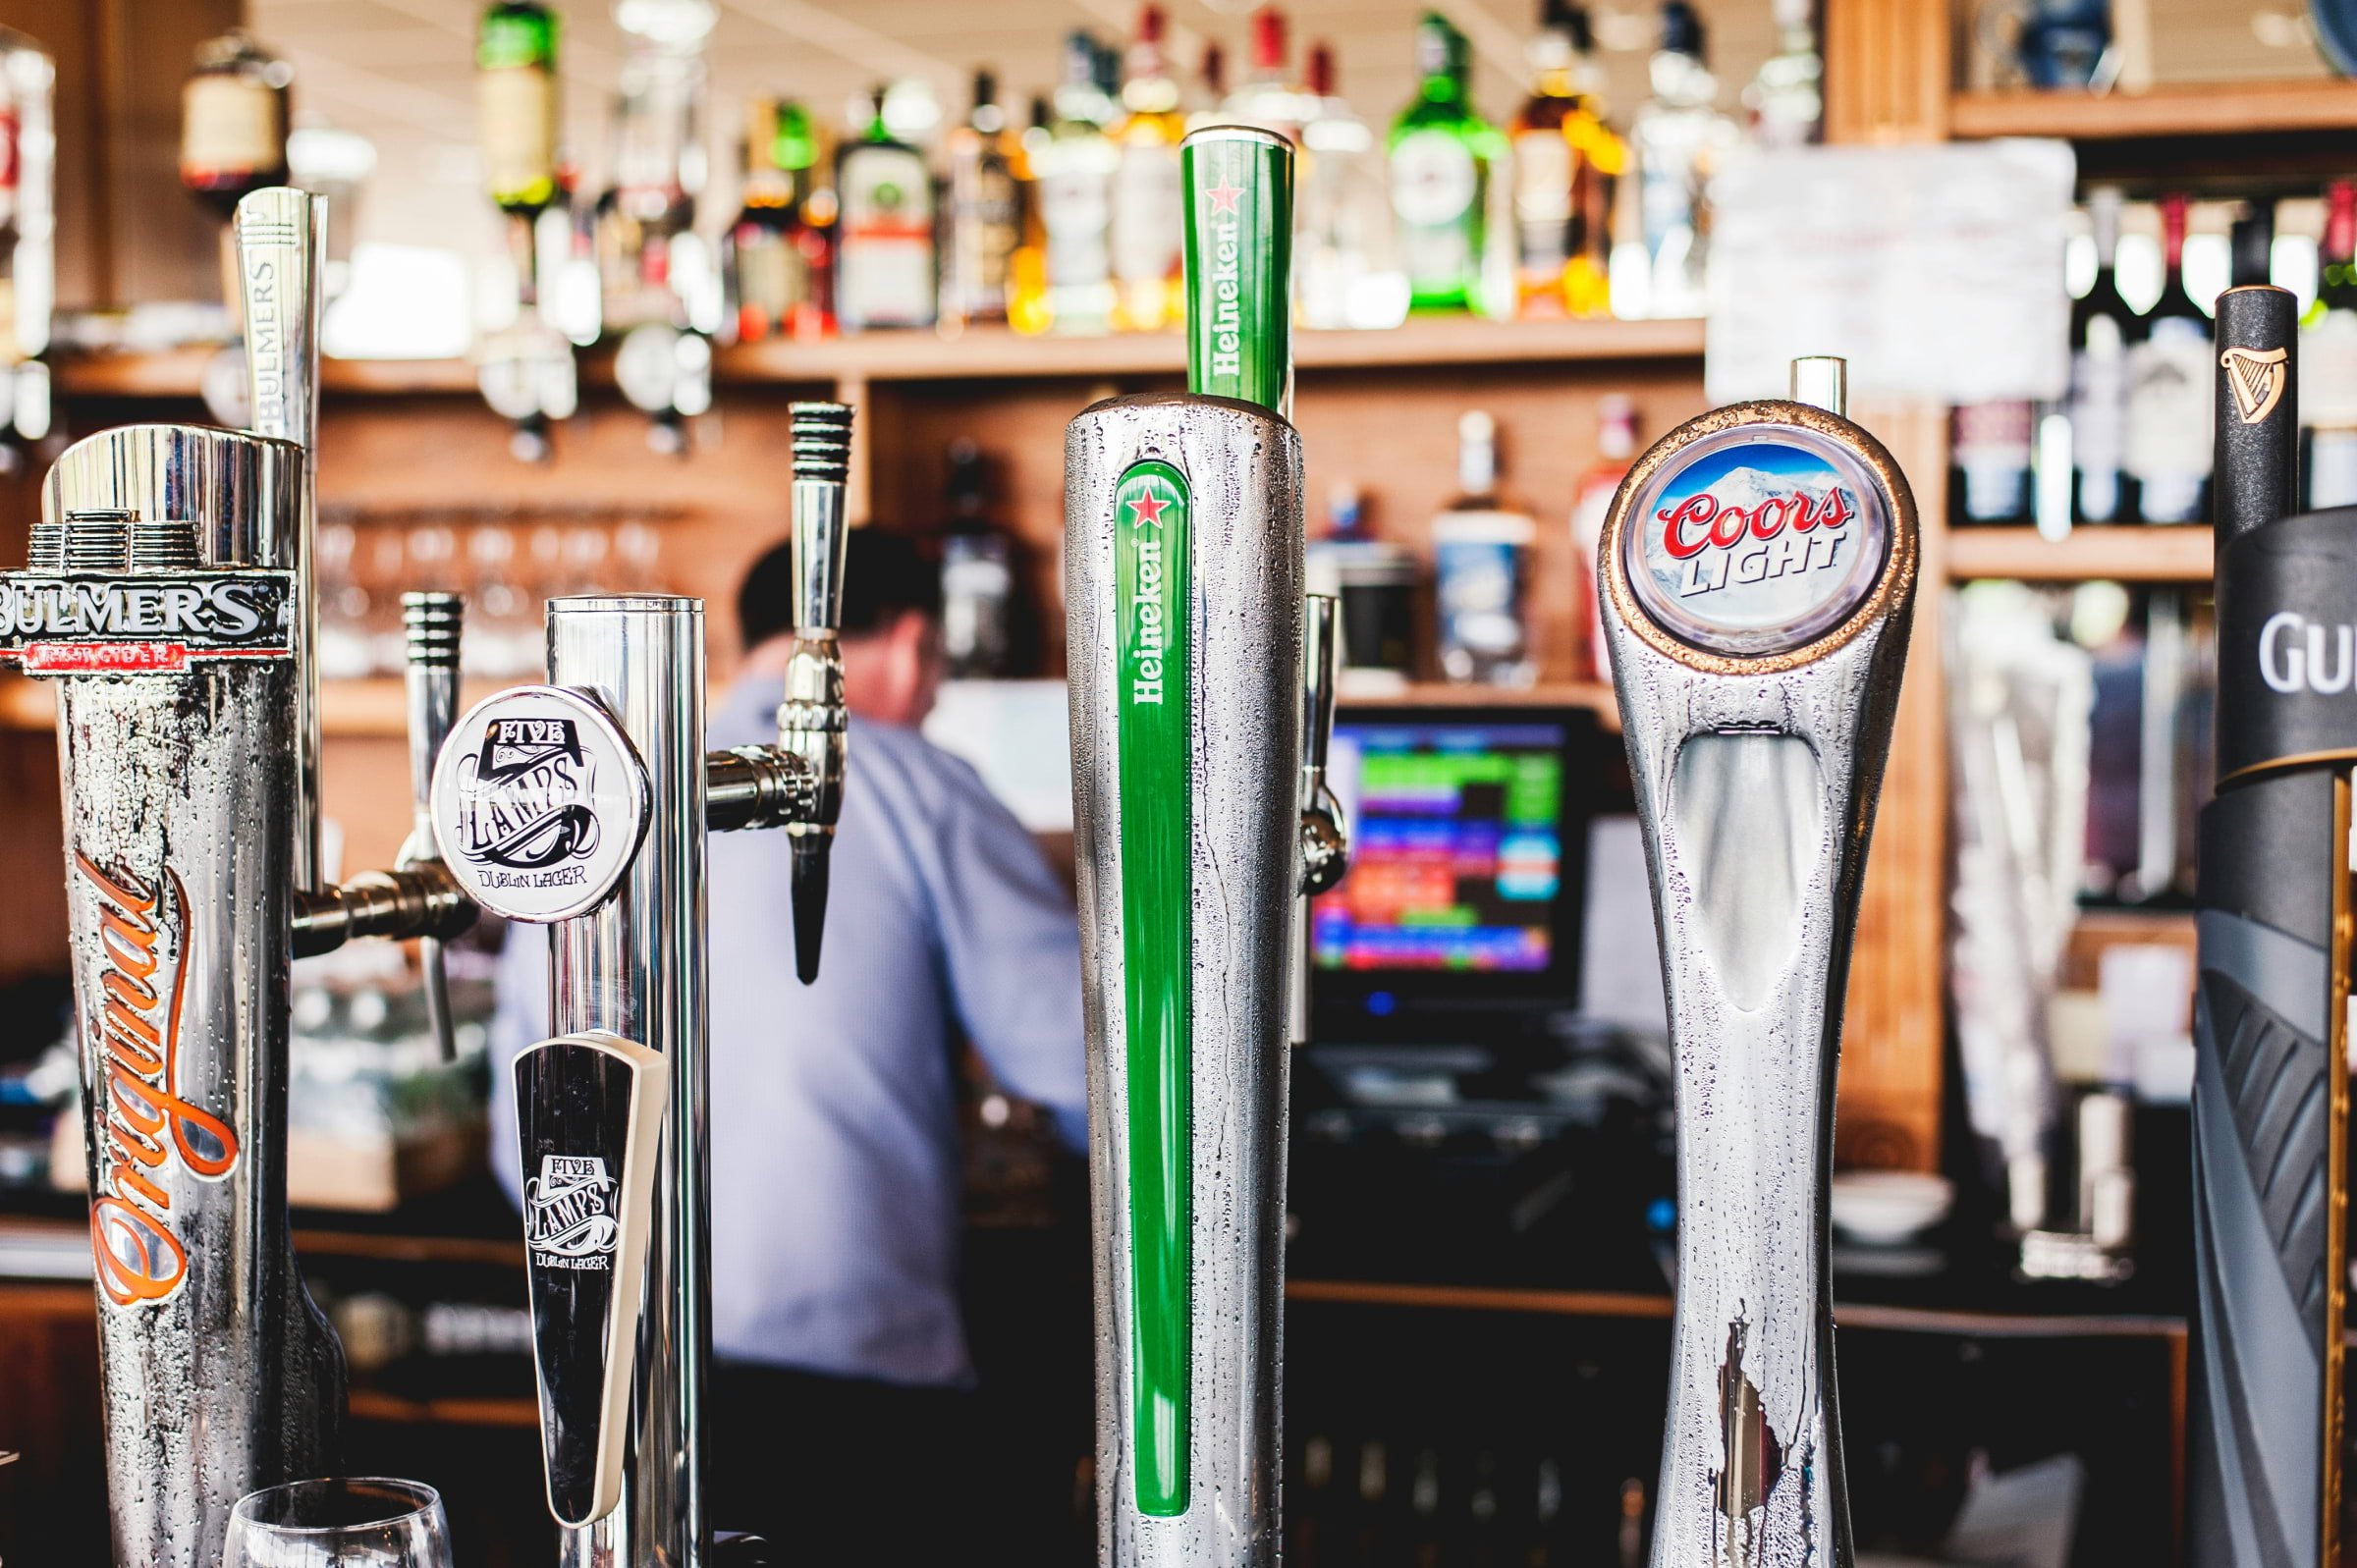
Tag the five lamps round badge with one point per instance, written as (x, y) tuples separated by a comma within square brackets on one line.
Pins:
[(539, 803)]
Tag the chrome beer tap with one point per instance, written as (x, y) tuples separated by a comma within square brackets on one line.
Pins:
[(1200, 704), (585, 805), (168, 596), (1757, 572)]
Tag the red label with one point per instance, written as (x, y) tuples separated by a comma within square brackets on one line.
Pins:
[(105, 658)]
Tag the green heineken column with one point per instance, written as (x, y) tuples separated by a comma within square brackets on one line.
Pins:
[(1194, 799)]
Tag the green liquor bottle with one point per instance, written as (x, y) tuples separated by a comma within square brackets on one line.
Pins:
[(1445, 160), (516, 100)]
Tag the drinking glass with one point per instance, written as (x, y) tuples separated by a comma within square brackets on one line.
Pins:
[(358, 1521)]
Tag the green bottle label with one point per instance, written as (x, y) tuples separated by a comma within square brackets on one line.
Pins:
[(1150, 581), (1239, 264)]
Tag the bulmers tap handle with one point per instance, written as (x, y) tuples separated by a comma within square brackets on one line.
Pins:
[(282, 238), (434, 622), (811, 719)]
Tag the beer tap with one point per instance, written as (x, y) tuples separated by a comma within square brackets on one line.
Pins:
[(169, 596), (585, 805), (1202, 823), (2273, 922), (1756, 576)]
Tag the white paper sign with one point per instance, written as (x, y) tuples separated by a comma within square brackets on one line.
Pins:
[(1935, 271)]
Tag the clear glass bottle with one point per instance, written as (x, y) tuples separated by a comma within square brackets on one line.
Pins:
[(984, 216), (1349, 264), (517, 104), (1146, 235), (2170, 382), (1678, 140), (1445, 159), (1076, 168), (1270, 97), (885, 274), (977, 572), (1787, 96), (2102, 329), (1481, 563)]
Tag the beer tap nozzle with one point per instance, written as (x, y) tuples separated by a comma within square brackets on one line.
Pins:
[(434, 622), (1325, 839), (812, 719)]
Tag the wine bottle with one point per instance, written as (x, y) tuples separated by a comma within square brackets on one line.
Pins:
[(2102, 329), (515, 99), (2329, 359), (2169, 391)]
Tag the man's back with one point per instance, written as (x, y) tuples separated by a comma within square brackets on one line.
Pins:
[(833, 1134)]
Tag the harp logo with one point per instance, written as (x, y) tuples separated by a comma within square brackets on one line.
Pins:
[(568, 1214), (2257, 379), (538, 803)]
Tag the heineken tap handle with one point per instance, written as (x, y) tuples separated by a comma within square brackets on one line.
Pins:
[(1325, 846), (434, 622), (812, 719)]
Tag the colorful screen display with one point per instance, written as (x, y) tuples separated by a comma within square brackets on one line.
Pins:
[(1455, 848)]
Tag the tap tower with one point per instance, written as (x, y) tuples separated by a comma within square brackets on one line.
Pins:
[(1201, 817), (1756, 575)]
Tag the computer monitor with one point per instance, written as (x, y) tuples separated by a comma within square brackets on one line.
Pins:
[(1469, 861)]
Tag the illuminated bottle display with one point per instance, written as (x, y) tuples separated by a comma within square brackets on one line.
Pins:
[(517, 102), (233, 121), (884, 259), (1444, 157)]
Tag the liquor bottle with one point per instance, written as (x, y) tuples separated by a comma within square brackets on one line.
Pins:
[(1678, 140), (1349, 264), (2169, 374), (1270, 97), (1147, 206), (1616, 449), (1602, 156), (884, 269), (28, 182), (2329, 358), (1481, 557), (1989, 452), (516, 104), (1786, 97), (977, 573), (2102, 329), (1209, 90), (1547, 165), (1076, 171), (759, 254), (812, 221), (1027, 267), (1443, 160), (983, 215), (233, 121)]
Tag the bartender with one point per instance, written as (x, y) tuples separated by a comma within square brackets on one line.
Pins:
[(843, 1368)]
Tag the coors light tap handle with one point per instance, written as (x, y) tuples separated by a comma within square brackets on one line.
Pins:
[(1183, 541), (2273, 915), (1756, 573)]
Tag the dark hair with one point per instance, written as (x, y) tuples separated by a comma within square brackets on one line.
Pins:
[(885, 575)]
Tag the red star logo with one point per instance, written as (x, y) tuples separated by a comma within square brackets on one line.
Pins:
[(1222, 197), (1147, 509)]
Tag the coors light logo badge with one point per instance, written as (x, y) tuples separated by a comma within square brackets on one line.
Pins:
[(539, 803), (1756, 541)]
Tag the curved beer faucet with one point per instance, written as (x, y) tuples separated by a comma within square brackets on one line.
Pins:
[(1325, 838)]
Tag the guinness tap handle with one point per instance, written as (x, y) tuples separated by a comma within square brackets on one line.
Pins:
[(2257, 457), (812, 719), (434, 622)]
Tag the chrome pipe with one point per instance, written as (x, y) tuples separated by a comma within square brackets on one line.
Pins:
[(1756, 575), (635, 966), (1182, 576)]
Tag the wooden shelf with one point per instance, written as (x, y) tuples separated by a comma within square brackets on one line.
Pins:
[(370, 1404), (2196, 110), (2126, 553), (981, 354)]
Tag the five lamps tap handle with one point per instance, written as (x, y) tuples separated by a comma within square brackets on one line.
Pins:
[(434, 622), (811, 719)]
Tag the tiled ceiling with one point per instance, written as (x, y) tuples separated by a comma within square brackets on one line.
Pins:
[(399, 70)]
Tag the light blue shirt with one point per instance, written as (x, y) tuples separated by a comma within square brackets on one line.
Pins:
[(836, 1169)]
